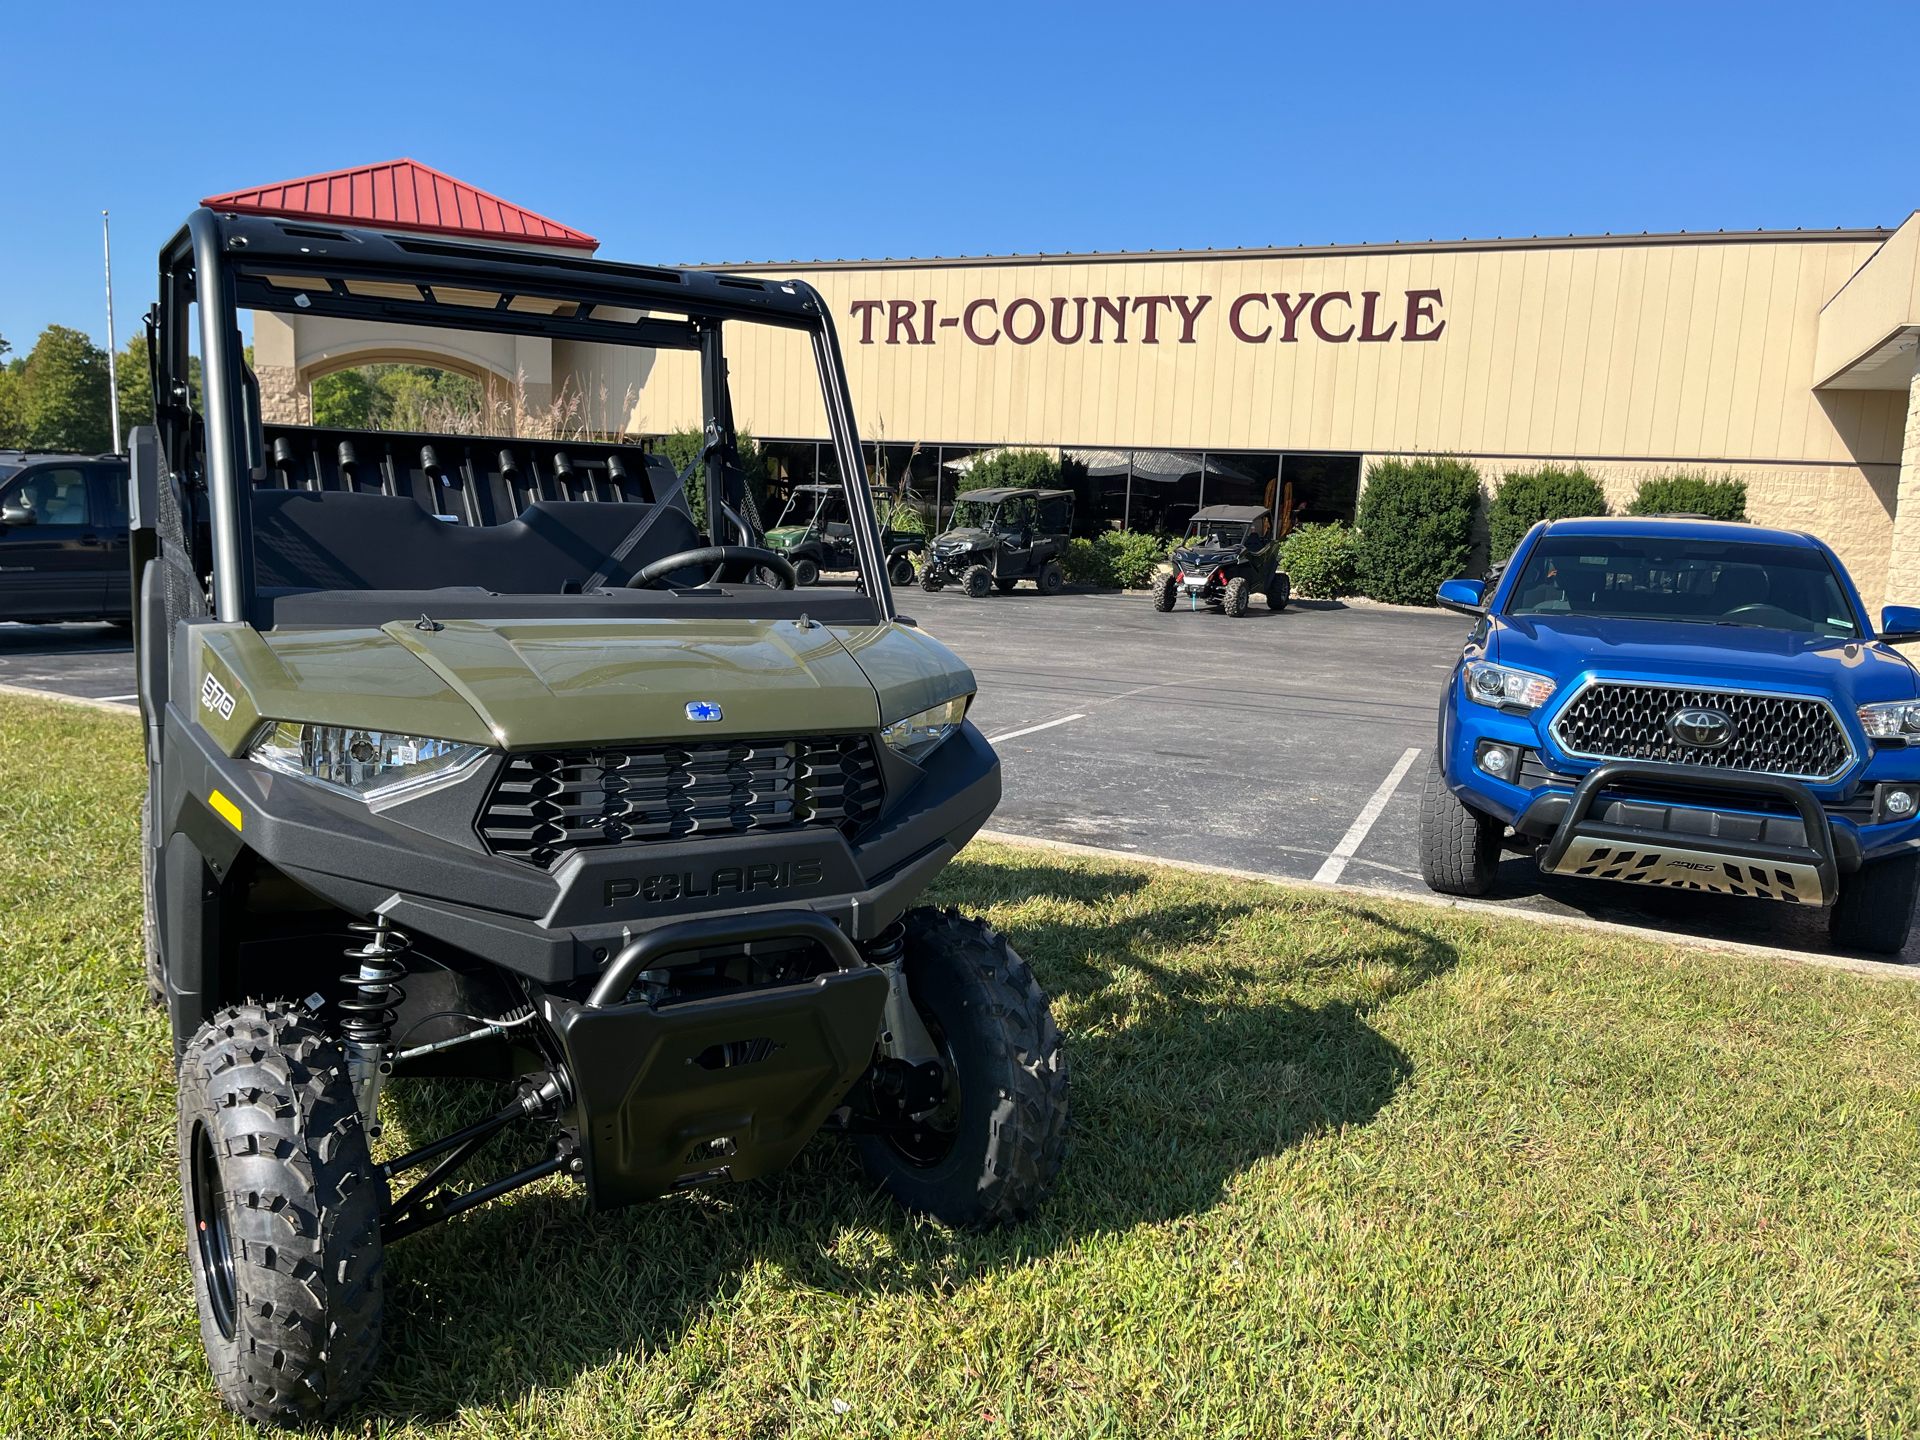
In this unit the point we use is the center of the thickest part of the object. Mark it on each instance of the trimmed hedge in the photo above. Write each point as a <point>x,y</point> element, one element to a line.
<point>1015,469</point>
<point>1321,561</point>
<point>1416,527</point>
<point>1125,558</point>
<point>1691,495</point>
<point>1527,497</point>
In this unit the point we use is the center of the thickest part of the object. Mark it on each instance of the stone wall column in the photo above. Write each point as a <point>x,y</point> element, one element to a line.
<point>1903,563</point>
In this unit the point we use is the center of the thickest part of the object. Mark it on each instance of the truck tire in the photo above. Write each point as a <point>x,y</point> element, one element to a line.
<point>1233,600</point>
<point>806,572</point>
<point>1005,587</point>
<point>976,580</point>
<point>1052,578</point>
<point>930,580</point>
<point>1279,592</point>
<point>283,1210</point>
<point>149,917</point>
<point>992,1150</point>
<point>1163,592</point>
<point>1875,909</point>
<point>1459,847</point>
<point>900,570</point>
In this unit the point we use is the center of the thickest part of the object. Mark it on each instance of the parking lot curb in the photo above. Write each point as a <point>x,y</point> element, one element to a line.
<point>116,707</point>
<point>1882,969</point>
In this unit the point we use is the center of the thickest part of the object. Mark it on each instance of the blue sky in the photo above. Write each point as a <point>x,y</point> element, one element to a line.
<point>769,132</point>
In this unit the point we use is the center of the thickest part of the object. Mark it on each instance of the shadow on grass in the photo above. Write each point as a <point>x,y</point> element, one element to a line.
<point>1202,1038</point>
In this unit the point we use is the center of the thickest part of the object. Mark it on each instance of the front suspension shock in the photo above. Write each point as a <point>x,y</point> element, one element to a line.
<point>370,1011</point>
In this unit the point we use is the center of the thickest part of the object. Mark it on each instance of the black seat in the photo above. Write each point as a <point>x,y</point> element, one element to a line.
<point>339,540</point>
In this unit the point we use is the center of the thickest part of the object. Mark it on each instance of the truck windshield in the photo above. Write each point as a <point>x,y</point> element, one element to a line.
<point>1703,582</point>
<point>1220,534</point>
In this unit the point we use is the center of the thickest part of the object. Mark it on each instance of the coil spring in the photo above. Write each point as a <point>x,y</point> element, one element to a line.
<point>371,1010</point>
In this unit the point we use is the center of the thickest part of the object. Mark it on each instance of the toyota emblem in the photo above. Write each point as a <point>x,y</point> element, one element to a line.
<point>1701,729</point>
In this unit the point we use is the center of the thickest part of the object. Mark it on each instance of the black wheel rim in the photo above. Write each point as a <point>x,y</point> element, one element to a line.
<point>930,1139</point>
<point>213,1231</point>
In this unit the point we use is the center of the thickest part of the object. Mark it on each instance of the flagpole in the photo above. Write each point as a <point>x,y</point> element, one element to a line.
<point>113,369</point>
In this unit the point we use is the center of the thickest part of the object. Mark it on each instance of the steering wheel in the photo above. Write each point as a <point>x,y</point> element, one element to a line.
<point>717,556</point>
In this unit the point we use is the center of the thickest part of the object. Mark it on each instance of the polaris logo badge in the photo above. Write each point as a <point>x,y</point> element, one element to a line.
<point>702,710</point>
<point>738,879</point>
<point>214,696</point>
<point>1700,729</point>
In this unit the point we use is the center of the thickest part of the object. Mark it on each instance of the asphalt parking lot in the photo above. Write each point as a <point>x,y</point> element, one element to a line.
<point>1293,744</point>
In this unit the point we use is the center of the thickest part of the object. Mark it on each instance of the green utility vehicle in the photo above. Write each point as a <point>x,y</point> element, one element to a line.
<point>1228,552</point>
<point>470,756</point>
<point>815,533</point>
<point>999,538</point>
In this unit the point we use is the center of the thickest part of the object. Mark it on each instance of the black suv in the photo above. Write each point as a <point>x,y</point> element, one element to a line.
<point>1001,537</point>
<point>63,537</point>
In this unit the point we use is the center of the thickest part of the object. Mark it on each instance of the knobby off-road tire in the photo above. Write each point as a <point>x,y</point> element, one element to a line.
<point>1279,592</point>
<point>1459,847</point>
<point>1163,592</point>
<point>992,1156</point>
<point>1233,600</point>
<point>283,1215</point>
<point>1875,909</point>
<point>900,572</point>
<point>149,916</point>
<point>930,580</point>
<point>806,572</point>
<point>976,580</point>
<point>1053,579</point>
<point>1005,587</point>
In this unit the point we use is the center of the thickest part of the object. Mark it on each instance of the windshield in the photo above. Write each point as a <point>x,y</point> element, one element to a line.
<point>1703,582</point>
<point>973,515</point>
<point>1217,534</point>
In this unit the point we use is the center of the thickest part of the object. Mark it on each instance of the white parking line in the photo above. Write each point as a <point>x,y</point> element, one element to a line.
<point>1336,863</point>
<point>1016,734</point>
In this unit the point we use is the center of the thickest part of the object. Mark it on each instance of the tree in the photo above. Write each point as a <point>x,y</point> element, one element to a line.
<point>345,399</point>
<point>62,393</point>
<point>13,423</point>
<point>683,445</point>
<point>136,386</point>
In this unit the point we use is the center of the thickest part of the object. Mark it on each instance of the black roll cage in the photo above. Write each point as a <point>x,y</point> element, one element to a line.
<point>226,263</point>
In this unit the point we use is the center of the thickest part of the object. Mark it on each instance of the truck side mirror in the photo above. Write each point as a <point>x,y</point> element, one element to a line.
<point>14,513</point>
<point>1900,624</point>
<point>1465,596</point>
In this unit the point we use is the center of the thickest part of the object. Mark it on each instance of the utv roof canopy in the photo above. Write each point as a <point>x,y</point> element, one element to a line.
<point>994,497</point>
<point>1231,512</point>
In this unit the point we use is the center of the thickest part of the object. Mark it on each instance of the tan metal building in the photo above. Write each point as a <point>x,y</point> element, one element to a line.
<point>1785,358</point>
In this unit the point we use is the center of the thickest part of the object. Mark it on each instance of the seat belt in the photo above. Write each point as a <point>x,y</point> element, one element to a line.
<point>645,523</point>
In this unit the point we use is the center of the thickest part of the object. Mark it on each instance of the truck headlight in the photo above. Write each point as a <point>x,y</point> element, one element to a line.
<point>1489,684</point>
<point>916,735</point>
<point>1899,720</point>
<point>367,764</point>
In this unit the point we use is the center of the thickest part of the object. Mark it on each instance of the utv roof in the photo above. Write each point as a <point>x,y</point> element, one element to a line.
<point>994,497</point>
<point>352,274</point>
<point>1231,512</point>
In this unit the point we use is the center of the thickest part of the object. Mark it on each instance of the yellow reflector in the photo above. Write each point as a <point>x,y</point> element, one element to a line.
<point>225,809</point>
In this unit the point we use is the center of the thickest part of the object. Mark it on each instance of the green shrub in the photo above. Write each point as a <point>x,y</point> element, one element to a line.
<point>1321,561</point>
<point>1691,495</point>
<point>1016,469</point>
<point>681,446</point>
<point>1527,497</point>
<point>1416,527</point>
<point>1124,558</point>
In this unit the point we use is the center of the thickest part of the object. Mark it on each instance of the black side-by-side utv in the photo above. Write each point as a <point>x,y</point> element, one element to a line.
<point>999,538</point>
<point>471,756</point>
<point>1229,552</point>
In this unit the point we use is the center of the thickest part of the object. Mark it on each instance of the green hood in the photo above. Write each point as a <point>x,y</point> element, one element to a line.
<point>787,536</point>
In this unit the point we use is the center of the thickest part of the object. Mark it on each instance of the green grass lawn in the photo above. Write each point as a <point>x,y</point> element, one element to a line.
<point>1337,1167</point>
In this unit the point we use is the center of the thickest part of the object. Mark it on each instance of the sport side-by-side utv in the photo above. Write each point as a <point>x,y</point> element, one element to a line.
<point>999,538</point>
<point>469,756</point>
<point>1229,551</point>
<point>815,533</point>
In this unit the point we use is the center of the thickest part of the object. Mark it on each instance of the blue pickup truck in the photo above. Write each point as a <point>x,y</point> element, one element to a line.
<point>1687,704</point>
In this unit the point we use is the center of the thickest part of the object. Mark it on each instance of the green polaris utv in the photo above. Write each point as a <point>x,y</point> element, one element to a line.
<point>815,533</point>
<point>470,756</point>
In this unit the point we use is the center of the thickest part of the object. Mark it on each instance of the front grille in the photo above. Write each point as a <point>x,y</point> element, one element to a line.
<point>1785,735</point>
<point>549,803</point>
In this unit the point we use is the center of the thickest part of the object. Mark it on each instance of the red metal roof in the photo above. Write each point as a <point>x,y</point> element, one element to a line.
<point>402,195</point>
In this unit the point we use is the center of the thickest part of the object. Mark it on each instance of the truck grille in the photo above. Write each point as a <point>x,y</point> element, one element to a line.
<point>1785,735</point>
<point>549,803</point>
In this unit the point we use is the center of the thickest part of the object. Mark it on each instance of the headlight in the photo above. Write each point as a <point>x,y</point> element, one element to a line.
<point>1899,720</point>
<point>1497,685</point>
<point>368,764</point>
<point>916,735</point>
